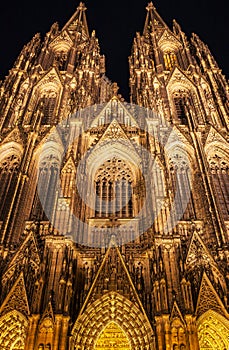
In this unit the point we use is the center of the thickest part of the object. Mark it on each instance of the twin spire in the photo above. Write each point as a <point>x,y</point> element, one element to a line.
<point>80,16</point>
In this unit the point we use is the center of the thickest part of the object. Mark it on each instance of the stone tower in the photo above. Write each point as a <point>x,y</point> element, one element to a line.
<point>114,216</point>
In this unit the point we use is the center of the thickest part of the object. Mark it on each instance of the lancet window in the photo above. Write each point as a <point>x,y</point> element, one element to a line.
<point>170,60</point>
<point>44,201</point>
<point>182,186</point>
<point>61,60</point>
<point>181,102</point>
<point>8,179</point>
<point>114,190</point>
<point>48,105</point>
<point>220,177</point>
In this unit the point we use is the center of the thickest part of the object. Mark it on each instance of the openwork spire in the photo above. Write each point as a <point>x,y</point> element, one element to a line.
<point>153,20</point>
<point>78,20</point>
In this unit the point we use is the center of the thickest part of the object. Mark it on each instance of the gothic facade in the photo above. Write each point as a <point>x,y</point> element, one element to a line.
<point>114,216</point>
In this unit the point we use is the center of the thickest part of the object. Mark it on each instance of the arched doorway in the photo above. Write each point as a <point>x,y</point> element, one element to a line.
<point>112,337</point>
<point>13,329</point>
<point>213,331</point>
<point>113,314</point>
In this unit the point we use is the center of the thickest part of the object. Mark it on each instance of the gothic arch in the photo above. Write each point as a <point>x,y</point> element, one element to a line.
<point>10,148</point>
<point>62,42</point>
<point>183,97</point>
<point>114,183</point>
<point>213,330</point>
<point>217,146</point>
<point>170,46</point>
<point>45,98</point>
<point>179,80</point>
<point>112,335</point>
<point>13,331</point>
<point>109,151</point>
<point>177,141</point>
<point>179,158</point>
<point>112,307</point>
<point>121,149</point>
<point>169,41</point>
<point>46,174</point>
<point>218,161</point>
<point>10,159</point>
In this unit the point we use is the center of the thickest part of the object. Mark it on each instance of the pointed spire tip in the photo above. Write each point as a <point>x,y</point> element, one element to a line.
<point>150,6</point>
<point>82,6</point>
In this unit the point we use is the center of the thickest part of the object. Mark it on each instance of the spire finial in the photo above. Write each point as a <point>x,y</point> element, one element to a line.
<point>150,6</point>
<point>82,6</point>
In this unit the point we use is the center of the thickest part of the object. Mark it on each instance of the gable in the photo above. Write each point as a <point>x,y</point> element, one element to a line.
<point>17,298</point>
<point>112,275</point>
<point>208,299</point>
<point>27,252</point>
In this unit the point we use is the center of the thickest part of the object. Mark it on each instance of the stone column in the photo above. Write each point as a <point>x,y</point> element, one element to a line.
<point>31,338</point>
<point>192,333</point>
<point>159,332</point>
<point>167,332</point>
<point>58,319</point>
<point>64,333</point>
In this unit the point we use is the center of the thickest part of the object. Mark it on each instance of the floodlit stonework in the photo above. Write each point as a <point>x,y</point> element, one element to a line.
<point>114,216</point>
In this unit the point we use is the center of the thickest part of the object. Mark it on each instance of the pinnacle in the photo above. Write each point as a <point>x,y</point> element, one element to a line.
<point>115,89</point>
<point>81,7</point>
<point>150,6</point>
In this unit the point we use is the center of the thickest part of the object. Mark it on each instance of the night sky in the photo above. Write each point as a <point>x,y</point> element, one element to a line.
<point>116,23</point>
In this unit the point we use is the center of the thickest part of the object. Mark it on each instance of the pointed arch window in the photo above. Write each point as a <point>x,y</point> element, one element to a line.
<point>182,187</point>
<point>220,177</point>
<point>48,102</point>
<point>181,102</point>
<point>8,180</point>
<point>44,200</point>
<point>170,60</point>
<point>114,190</point>
<point>61,60</point>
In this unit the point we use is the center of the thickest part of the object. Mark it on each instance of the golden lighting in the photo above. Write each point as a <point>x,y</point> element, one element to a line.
<point>170,60</point>
<point>213,332</point>
<point>112,337</point>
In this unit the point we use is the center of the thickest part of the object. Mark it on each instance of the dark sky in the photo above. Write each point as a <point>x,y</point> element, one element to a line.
<point>115,23</point>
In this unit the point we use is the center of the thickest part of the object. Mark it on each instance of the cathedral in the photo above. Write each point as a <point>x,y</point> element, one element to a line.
<point>114,215</point>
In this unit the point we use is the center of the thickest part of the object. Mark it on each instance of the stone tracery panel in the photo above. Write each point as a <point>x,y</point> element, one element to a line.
<point>182,185</point>
<point>219,168</point>
<point>114,189</point>
<point>13,329</point>
<point>112,307</point>
<point>48,176</point>
<point>213,330</point>
<point>9,166</point>
<point>112,337</point>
